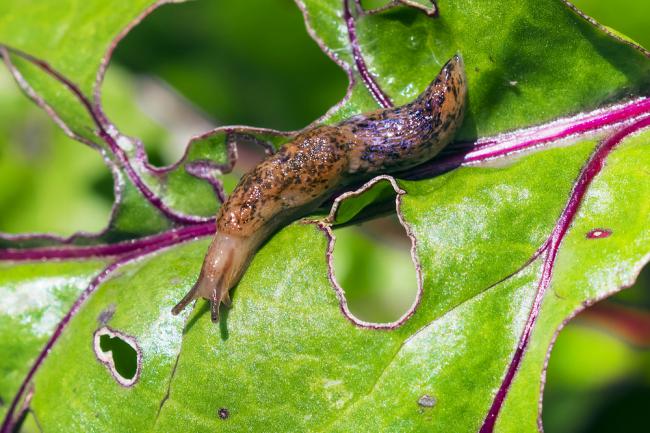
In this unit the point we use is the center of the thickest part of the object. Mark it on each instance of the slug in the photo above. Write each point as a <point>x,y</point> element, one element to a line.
<point>305,172</point>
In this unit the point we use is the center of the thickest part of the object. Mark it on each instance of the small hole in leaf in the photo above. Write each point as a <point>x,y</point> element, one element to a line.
<point>599,234</point>
<point>249,152</point>
<point>120,353</point>
<point>373,264</point>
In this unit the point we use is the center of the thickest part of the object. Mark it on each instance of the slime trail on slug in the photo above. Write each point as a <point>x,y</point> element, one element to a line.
<point>305,172</point>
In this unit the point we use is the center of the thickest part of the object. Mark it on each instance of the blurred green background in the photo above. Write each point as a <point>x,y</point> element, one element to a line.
<point>193,66</point>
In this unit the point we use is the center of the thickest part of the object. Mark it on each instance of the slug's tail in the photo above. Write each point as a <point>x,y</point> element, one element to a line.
<point>398,138</point>
<point>446,94</point>
<point>222,268</point>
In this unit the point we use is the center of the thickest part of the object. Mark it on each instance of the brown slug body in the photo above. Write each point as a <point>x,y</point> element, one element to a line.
<point>305,172</point>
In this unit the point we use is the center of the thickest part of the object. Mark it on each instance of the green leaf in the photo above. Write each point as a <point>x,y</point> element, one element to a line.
<point>507,246</point>
<point>34,298</point>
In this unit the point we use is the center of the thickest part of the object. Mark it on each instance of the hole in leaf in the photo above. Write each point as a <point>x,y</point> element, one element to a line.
<point>377,280</point>
<point>373,264</point>
<point>598,234</point>
<point>249,153</point>
<point>119,353</point>
<point>124,356</point>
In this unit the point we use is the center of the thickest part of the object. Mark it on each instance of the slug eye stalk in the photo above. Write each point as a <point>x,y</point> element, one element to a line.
<point>320,160</point>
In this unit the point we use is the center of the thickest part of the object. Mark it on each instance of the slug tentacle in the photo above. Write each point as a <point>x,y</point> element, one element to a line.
<point>305,172</point>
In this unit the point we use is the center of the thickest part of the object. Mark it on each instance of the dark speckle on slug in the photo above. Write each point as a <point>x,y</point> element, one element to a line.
<point>305,172</point>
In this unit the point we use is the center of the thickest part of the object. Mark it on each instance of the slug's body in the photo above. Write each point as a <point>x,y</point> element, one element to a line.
<point>305,172</point>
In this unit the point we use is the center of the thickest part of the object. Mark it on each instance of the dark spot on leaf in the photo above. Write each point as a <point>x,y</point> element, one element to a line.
<point>427,401</point>
<point>599,234</point>
<point>120,353</point>
<point>106,314</point>
<point>224,413</point>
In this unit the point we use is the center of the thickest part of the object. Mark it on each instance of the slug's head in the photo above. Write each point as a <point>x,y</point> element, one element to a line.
<point>223,265</point>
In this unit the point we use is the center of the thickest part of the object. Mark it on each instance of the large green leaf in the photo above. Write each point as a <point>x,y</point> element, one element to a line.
<point>35,297</point>
<point>498,271</point>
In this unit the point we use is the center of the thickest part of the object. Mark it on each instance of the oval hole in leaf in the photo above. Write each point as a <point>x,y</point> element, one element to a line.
<point>375,276</point>
<point>372,262</point>
<point>119,353</point>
